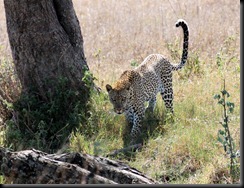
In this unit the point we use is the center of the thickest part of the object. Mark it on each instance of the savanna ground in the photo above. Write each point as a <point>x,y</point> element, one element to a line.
<point>118,35</point>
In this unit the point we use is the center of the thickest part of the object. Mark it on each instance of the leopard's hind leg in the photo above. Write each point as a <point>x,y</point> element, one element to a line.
<point>167,92</point>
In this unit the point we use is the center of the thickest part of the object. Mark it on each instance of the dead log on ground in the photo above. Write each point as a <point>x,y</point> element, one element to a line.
<point>131,148</point>
<point>36,167</point>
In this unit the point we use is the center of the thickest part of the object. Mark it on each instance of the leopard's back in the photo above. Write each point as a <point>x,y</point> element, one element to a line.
<point>151,70</point>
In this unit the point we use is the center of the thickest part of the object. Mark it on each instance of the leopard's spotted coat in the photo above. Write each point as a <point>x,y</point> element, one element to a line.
<point>143,83</point>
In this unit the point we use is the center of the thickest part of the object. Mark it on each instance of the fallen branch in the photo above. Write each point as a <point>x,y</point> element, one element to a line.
<point>36,167</point>
<point>131,148</point>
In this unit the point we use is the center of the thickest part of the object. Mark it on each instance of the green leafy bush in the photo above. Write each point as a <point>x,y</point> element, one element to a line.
<point>224,135</point>
<point>46,124</point>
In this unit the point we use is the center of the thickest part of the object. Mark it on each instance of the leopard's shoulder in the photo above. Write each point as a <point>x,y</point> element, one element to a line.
<point>127,79</point>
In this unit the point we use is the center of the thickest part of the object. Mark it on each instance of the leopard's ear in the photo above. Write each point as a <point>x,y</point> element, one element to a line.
<point>108,88</point>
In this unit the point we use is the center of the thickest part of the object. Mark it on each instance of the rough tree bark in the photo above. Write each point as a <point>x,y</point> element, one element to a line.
<point>47,49</point>
<point>46,43</point>
<point>33,166</point>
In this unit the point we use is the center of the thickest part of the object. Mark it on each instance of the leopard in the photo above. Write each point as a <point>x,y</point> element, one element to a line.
<point>135,87</point>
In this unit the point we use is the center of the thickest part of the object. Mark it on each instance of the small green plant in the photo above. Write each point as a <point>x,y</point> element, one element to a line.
<point>88,78</point>
<point>134,63</point>
<point>224,136</point>
<point>174,49</point>
<point>2,180</point>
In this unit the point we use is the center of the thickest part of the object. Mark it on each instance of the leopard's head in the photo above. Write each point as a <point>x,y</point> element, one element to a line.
<point>119,96</point>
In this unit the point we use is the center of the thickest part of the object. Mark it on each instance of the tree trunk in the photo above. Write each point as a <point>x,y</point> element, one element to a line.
<point>46,43</point>
<point>33,166</point>
<point>48,54</point>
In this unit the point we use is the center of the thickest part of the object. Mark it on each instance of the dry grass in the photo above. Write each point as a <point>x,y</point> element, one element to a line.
<point>117,33</point>
<point>131,30</point>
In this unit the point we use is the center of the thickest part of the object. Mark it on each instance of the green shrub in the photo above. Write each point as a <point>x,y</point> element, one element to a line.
<point>45,124</point>
<point>224,135</point>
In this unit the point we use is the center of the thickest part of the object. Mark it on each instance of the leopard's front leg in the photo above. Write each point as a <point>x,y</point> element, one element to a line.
<point>139,113</point>
<point>129,115</point>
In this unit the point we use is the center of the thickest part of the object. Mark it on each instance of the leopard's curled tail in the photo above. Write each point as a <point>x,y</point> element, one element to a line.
<point>184,26</point>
